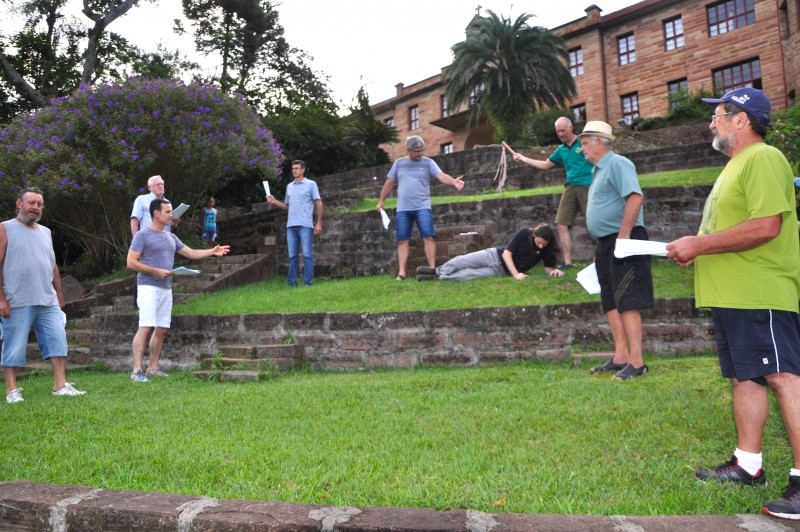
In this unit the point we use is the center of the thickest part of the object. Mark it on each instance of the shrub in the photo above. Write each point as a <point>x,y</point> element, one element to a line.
<point>539,131</point>
<point>92,152</point>
<point>785,135</point>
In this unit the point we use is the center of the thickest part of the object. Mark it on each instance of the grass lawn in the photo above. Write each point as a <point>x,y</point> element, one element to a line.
<point>520,438</point>
<point>524,438</point>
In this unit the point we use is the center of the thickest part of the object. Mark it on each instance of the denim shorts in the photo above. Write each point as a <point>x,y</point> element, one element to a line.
<point>405,219</point>
<point>47,321</point>
<point>155,306</point>
<point>754,343</point>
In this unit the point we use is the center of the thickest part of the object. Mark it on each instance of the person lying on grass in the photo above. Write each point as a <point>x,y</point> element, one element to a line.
<point>527,248</point>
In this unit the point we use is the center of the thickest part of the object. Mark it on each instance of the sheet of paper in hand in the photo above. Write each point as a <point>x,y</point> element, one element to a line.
<point>588,279</point>
<point>385,219</point>
<point>180,210</point>
<point>185,271</point>
<point>626,247</point>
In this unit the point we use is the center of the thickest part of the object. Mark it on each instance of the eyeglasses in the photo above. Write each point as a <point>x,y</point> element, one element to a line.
<point>714,117</point>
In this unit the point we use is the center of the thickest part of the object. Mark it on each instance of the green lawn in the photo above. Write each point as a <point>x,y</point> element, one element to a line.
<point>523,438</point>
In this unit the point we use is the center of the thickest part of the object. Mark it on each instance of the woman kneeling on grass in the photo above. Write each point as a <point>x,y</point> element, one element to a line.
<point>527,248</point>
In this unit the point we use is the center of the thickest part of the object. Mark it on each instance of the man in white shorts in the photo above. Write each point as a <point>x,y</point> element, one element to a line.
<point>152,256</point>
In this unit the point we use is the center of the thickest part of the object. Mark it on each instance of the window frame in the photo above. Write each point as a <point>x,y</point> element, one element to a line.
<point>413,117</point>
<point>726,16</point>
<point>629,107</point>
<point>576,62</point>
<point>627,56</point>
<point>745,73</point>
<point>676,40</point>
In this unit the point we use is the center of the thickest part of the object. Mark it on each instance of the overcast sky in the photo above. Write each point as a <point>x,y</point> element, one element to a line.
<point>374,43</point>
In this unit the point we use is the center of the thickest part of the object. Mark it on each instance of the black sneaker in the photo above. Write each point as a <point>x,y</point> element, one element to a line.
<point>608,365</point>
<point>426,277</point>
<point>426,270</point>
<point>629,371</point>
<point>731,472</point>
<point>788,504</point>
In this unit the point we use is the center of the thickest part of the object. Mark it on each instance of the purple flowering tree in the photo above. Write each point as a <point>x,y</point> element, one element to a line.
<point>92,152</point>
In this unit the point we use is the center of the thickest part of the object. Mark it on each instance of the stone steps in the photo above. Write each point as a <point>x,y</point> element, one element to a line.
<point>245,362</point>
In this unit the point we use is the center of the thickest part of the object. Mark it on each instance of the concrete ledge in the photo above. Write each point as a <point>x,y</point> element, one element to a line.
<point>37,506</point>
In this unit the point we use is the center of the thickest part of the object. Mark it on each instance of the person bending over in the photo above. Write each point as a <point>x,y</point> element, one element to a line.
<point>527,248</point>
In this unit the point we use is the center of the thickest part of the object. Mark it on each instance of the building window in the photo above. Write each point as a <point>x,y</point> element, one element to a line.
<point>389,121</point>
<point>744,74</point>
<point>446,148</point>
<point>576,62</point>
<point>729,15</point>
<point>578,113</point>
<point>445,106</point>
<point>676,90</point>
<point>475,95</point>
<point>673,34</point>
<point>413,117</point>
<point>630,107</point>
<point>626,45</point>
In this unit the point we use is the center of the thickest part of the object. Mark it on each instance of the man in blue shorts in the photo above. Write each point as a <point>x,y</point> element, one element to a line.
<point>576,188</point>
<point>31,296</point>
<point>615,211</point>
<point>746,258</point>
<point>152,256</point>
<point>412,175</point>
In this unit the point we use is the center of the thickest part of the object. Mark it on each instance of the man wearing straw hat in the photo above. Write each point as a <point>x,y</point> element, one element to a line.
<point>615,211</point>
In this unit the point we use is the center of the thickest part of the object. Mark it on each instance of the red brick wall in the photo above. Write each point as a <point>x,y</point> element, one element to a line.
<point>774,39</point>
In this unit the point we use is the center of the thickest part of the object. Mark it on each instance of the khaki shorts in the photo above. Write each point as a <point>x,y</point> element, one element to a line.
<point>573,200</point>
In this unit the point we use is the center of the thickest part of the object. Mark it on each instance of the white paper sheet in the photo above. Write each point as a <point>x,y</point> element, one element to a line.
<point>626,247</point>
<point>266,187</point>
<point>185,271</point>
<point>588,279</point>
<point>385,219</point>
<point>180,210</point>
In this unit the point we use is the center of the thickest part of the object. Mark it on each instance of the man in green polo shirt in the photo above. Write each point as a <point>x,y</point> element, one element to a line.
<point>576,188</point>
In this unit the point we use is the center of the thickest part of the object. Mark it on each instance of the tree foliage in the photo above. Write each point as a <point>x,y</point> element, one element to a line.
<point>508,70</point>
<point>256,60</point>
<point>92,152</point>
<point>366,133</point>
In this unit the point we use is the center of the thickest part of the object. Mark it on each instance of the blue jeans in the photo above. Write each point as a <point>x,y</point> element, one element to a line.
<point>47,321</point>
<point>298,238</point>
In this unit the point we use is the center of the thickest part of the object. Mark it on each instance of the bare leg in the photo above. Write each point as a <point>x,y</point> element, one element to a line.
<point>430,250</point>
<point>402,256</point>
<point>10,374</point>
<point>59,365</point>
<point>621,355</point>
<point>632,323</point>
<point>787,391</point>
<point>138,347</point>
<point>566,242</point>
<point>156,343</point>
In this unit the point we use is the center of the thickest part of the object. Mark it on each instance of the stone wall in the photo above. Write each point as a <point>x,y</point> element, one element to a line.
<point>356,243</point>
<point>461,337</point>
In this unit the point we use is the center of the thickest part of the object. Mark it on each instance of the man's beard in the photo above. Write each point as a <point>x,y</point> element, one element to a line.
<point>723,144</point>
<point>29,218</point>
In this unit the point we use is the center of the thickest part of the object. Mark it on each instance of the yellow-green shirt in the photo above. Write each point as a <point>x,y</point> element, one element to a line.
<point>756,183</point>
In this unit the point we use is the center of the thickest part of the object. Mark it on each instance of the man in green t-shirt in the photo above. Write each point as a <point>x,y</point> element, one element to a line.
<point>746,258</point>
<point>576,188</point>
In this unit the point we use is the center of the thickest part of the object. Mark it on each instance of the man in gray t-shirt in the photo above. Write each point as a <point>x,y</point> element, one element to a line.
<point>151,256</point>
<point>412,175</point>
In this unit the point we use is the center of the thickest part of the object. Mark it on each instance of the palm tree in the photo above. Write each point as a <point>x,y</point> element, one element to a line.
<point>508,71</point>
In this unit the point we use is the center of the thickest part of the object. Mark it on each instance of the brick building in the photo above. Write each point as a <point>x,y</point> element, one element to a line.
<point>626,63</point>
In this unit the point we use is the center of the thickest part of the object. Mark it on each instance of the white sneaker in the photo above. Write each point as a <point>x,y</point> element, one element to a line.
<point>14,396</point>
<point>68,390</point>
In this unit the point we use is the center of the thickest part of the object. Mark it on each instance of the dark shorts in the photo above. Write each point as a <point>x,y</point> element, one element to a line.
<point>755,343</point>
<point>625,284</point>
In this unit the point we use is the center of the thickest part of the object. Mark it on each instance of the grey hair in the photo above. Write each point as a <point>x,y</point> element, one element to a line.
<point>415,142</point>
<point>564,119</point>
<point>152,179</point>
